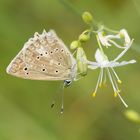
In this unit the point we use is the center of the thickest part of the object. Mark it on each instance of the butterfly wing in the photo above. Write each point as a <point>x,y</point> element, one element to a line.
<point>43,57</point>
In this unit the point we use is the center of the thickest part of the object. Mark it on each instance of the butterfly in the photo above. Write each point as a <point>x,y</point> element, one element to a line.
<point>44,57</point>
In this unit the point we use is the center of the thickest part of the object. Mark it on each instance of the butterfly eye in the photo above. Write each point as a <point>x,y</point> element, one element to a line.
<point>67,82</point>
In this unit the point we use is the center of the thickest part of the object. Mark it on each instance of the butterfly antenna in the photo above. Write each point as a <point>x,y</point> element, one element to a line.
<point>54,100</point>
<point>62,100</point>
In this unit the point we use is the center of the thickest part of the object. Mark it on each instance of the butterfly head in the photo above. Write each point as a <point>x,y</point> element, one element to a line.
<point>67,83</point>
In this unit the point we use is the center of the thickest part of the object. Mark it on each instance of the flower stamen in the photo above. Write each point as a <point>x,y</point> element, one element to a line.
<point>115,84</point>
<point>122,100</point>
<point>110,77</point>
<point>93,94</point>
<point>97,85</point>
<point>104,82</point>
<point>116,92</point>
<point>101,78</point>
<point>118,79</point>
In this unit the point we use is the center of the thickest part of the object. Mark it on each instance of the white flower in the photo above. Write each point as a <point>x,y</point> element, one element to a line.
<point>103,39</point>
<point>123,33</point>
<point>109,40</point>
<point>107,67</point>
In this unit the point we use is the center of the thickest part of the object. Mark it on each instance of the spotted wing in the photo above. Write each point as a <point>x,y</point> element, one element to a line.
<point>43,57</point>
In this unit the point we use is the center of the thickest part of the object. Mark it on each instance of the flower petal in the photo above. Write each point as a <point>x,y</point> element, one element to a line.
<point>124,51</point>
<point>92,65</point>
<point>103,39</point>
<point>117,64</point>
<point>100,57</point>
<point>124,33</point>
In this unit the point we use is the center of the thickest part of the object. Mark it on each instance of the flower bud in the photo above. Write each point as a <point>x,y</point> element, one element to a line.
<point>84,37</point>
<point>87,17</point>
<point>132,116</point>
<point>75,44</point>
<point>81,58</point>
<point>124,34</point>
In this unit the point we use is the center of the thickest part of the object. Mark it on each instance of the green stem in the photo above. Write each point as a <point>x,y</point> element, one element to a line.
<point>67,4</point>
<point>110,30</point>
<point>78,12</point>
<point>136,6</point>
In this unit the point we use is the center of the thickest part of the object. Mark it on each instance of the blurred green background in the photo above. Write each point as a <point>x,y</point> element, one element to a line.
<point>25,112</point>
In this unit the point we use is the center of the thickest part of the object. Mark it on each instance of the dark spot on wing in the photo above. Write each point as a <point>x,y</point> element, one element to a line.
<point>43,69</point>
<point>56,49</point>
<point>25,68</point>
<point>59,63</point>
<point>51,52</point>
<point>56,71</point>
<point>37,57</point>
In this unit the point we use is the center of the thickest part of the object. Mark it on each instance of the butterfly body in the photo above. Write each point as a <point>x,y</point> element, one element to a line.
<point>44,57</point>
